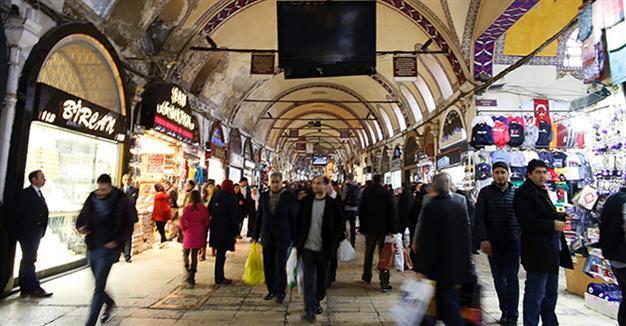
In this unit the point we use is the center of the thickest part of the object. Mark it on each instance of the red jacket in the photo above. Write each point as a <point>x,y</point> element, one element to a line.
<point>194,224</point>
<point>162,211</point>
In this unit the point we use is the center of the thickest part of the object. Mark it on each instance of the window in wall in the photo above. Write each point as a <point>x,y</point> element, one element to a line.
<point>415,108</point>
<point>426,94</point>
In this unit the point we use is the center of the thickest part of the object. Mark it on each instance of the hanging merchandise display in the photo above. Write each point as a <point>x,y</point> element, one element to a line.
<point>249,170</point>
<point>165,150</point>
<point>216,154</point>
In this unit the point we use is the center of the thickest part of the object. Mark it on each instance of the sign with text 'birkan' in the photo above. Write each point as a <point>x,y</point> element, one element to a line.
<point>71,112</point>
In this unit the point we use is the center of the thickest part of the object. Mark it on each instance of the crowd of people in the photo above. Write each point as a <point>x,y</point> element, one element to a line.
<point>446,226</point>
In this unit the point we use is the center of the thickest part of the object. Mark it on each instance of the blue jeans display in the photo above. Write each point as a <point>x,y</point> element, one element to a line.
<point>100,260</point>
<point>504,269</point>
<point>29,245</point>
<point>540,296</point>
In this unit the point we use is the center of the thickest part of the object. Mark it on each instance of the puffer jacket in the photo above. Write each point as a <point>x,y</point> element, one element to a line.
<point>495,217</point>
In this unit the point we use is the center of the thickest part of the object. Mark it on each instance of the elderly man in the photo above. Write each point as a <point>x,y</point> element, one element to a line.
<point>444,252</point>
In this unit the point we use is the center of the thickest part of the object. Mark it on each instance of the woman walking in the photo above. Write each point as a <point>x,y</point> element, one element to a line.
<point>209,190</point>
<point>224,225</point>
<point>194,223</point>
<point>241,203</point>
<point>161,212</point>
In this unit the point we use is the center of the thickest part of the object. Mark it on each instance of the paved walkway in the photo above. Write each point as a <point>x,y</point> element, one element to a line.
<point>149,292</point>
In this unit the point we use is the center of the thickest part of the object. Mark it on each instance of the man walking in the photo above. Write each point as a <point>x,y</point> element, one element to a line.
<point>31,214</point>
<point>350,195</point>
<point>132,194</point>
<point>104,220</point>
<point>444,249</point>
<point>377,214</point>
<point>543,245</point>
<point>613,242</point>
<point>275,225</point>
<point>499,236</point>
<point>319,227</point>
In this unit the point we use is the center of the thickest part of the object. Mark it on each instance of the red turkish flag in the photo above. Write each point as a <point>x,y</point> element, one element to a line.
<point>542,110</point>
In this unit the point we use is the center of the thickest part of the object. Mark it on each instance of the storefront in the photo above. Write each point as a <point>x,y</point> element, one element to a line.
<point>395,169</point>
<point>71,124</point>
<point>410,158</point>
<point>165,150</point>
<point>452,146</point>
<point>217,154</point>
<point>249,170</point>
<point>236,161</point>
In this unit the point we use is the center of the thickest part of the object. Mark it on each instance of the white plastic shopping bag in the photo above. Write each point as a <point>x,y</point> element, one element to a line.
<point>398,258</point>
<point>292,268</point>
<point>345,252</point>
<point>300,277</point>
<point>413,303</point>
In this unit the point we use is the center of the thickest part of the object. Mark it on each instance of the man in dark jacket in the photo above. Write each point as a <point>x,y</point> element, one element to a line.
<point>613,242</point>
<point>377,214</point>
<point>405,205</point>
<point>31,214</point>
<point>499,236</point>
<point>319,225</point>
<point>104,220</point>
<point>350,196</point>
<point>275,225</point>
<point>444,252</point>
<point>224,227</point>
<point>132,194</point>
<point>543,245</point>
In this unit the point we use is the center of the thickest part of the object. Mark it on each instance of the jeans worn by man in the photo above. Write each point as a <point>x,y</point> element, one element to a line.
<point>101,261</point>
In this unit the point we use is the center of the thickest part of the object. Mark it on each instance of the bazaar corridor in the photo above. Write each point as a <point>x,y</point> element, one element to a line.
<point>150,292</point>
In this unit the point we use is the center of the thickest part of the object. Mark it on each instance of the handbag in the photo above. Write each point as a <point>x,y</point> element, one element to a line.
<point>346,253</point>
<point>386,256</point>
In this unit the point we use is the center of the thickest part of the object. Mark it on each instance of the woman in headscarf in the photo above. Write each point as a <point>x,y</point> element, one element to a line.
<point>224,226</point>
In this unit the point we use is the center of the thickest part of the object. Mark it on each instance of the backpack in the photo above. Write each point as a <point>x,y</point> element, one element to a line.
<point>352,199</point>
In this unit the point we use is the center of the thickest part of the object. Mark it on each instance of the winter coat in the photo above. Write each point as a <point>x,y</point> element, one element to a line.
<point>116,227</point>
<point>377,211</point>
<point>540,242</point>
<point>161,211</point>
<point>443,241</point>
<point>332,226</point>
<point>495,217</point>
<point>224,218</point>
<point>194,223</point>
<point>405,205</point>
<point>277,228</point>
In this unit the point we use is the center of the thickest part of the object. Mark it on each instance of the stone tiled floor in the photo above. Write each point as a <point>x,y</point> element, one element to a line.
<point>137,287</point>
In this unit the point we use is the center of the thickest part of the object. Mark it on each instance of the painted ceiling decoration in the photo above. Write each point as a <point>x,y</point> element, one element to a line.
<point>484,45</point>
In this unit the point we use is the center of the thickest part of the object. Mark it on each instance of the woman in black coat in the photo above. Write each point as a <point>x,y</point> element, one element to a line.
<point>224,227</point>
<point>243,208</point>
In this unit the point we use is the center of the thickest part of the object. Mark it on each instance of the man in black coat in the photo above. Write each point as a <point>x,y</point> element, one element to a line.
<point>405,205</point>
<point>274,227</point>
<point>31,221</point>
<point>444,253</point>
<point>377,214</point>
<point>224,227</point>
<point>499,236</point>
<point>543,245</point>
<point>105,222</point>
<point>132,194</point>
<point>319,225</point>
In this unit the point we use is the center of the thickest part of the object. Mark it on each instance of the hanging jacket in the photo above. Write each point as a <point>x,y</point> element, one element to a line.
<point>501,135</point>
<point>482,135</point>
<point>516,132</point>
<point>545,135</point>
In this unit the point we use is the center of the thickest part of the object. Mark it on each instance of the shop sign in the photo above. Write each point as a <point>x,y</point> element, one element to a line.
<point>344,134</point>
<point>486,102</point>
<point>405,68</point>
<point>452,130</point>
<point>250,165</point>
<point>217,145</point>
<point>166,109</point>
<point>294,133</point>
<point>262,64</point>
<point>395,165</point>
<point>68,111</point>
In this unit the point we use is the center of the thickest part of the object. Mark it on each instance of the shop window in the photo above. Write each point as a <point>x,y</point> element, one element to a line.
<point>162,26</point>
<point>76,64</point>
<point>417,112</point>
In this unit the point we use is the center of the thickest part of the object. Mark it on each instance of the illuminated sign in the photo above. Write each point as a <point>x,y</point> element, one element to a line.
<point>68,111</point>
<point>166,109</point>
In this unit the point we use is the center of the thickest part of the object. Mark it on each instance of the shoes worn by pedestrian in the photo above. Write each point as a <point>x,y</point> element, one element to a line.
<point>128,260</point>
<point>504,319</point>
<point>41,293</point>
<point>269,296</point>
<point>366,279</point>
<point>108,312</point>
<point>310,319</point>
<point>386,288</point>
<point>224,282</point>
<point>319,311</point>
<point>280,298</point>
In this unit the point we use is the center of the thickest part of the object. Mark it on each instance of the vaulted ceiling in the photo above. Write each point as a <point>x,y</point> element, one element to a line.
<point>373,108</point>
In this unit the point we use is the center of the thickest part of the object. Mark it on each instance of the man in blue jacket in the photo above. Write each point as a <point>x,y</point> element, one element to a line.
<point>499,236</point>
<point>275,229</point>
